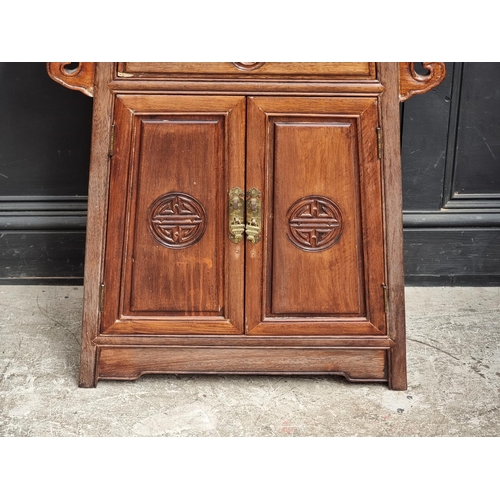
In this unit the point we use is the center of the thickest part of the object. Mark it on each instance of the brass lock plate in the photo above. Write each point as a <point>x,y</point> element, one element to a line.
<point>253,228</point>
<point>236,214</point>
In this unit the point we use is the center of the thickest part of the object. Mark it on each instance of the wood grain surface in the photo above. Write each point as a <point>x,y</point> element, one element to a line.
<point>81,78</point>
<point>192,146</point>
<point>321,292</point>
<point>131,363</point>
<point>393,214</point>
<point>311,70</point>
<point>302,147</point>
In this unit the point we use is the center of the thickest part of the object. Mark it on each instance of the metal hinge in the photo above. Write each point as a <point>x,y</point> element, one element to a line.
<point>379,142</point>
<point>386,298</point>
<point>112,141</point>
<point>101,297</point>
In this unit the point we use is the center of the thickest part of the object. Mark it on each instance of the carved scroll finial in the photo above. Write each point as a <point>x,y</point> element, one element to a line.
<point>80,78</point>
<point>410,82</point>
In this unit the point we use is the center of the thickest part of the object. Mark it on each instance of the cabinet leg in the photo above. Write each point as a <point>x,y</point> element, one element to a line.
<point>88,364</point>
<point>397,369</point>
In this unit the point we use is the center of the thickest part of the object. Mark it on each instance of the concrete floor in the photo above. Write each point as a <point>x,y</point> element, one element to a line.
<point>453,366</point>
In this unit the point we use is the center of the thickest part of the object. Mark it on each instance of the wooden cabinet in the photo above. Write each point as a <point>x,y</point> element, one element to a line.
<point>245,218</point>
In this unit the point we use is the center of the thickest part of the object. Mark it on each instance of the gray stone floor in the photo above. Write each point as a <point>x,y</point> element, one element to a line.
<point>453,365</point>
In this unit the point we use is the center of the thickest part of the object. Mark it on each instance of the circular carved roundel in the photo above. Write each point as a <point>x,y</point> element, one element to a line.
<point>248,66</point>
<point>177,220</point>
<point>314,223</point>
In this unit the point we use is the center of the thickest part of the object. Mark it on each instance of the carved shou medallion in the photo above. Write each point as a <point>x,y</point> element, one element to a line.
<point>248,66</point>
<point>177,220</point>
<point>314,223</point>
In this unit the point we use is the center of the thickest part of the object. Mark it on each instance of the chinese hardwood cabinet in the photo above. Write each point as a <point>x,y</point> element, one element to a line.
<point>245,218</point>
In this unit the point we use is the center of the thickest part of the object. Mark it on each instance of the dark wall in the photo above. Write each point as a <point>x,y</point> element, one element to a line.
<point>451,178</point>
<point>44,157</point>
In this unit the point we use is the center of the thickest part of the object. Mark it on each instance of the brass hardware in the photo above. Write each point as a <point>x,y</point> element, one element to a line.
<point>236,214</point>
<point>101,297</point>
<point>112,141</point>
<point>386,297</point>
<point>253,228</point>
<point>379,142</point>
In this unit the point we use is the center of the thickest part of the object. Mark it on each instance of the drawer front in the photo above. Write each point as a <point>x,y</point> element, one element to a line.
<point>299,70</point>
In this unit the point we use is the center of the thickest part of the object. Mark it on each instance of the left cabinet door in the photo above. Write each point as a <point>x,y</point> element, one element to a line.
<point>170,267</point>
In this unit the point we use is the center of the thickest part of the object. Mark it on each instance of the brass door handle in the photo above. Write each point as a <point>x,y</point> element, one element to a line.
<point>236,214</point>
<point>253,228</point>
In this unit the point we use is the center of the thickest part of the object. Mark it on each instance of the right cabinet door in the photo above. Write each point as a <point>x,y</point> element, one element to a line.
<point>319,268</point>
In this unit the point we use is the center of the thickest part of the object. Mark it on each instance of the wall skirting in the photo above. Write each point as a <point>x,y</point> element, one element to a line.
<point>43,213</point>
<point>451,219</point>
<point>42,239</point>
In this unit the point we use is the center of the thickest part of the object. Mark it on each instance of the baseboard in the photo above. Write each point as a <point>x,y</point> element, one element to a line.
<point>471,280</point>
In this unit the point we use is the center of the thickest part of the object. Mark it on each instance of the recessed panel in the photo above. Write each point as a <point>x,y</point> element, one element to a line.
<point>476,165</point>
<point>175,266</point>
<point>316,264</point>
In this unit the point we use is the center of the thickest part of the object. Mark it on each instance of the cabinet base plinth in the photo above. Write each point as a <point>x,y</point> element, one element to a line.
<point>129,363</point>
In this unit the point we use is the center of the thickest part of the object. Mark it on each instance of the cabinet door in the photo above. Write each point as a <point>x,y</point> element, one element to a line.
<point>170,267</point>
<point>319,268</point>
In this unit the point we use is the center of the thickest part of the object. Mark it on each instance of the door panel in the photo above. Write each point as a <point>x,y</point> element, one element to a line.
<point>176,159</point>
<point>316,271</point>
